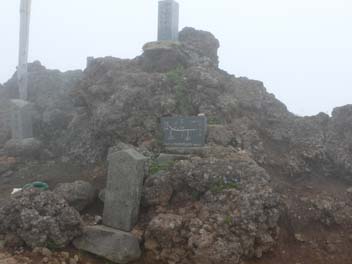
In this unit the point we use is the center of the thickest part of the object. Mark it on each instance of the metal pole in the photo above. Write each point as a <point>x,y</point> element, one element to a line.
<point>22,70</point>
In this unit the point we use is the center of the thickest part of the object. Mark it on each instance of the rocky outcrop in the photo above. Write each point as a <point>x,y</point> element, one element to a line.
<point>40,219</point>
<point>338,140</point>
<point>223,209</point>
<point>50,93</point>
<point>202,43</point>
<point>78,194</point>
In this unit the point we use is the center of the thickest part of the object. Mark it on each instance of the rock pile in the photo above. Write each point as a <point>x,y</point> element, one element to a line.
<point>222,210</point>
<point>39,219</point>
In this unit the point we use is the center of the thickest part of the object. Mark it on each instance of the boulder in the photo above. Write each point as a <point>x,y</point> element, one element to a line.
<point>157,189</point>
<point>202,43</point>
<point>78,194</point>
<point>25,148</point>
<point>40,218</point>
<point>114,245</point>
<point>221,135</point>
<point>163,56</point>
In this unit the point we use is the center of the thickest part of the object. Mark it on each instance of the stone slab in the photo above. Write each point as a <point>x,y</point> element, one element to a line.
<point>111,244</point>
<point>166,157</point>
<point>124,189</point>
<point>184,131</point>
<point>200,151</point>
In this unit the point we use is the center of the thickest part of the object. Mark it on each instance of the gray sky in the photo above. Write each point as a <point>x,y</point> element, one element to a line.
<point>300,49</point>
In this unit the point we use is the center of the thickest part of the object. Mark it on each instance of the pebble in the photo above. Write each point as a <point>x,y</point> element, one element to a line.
<point>46,252</point>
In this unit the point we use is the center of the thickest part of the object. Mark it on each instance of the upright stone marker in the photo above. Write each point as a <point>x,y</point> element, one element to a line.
<point>168,20</point>
<point>124,189</point>
<point>184,131</point>
<point>21,119</point>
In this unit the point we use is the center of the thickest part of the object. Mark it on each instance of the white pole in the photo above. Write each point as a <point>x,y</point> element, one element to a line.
<point>22,70</point>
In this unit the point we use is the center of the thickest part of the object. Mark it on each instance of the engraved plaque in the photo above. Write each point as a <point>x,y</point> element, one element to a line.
<point>184,131</point>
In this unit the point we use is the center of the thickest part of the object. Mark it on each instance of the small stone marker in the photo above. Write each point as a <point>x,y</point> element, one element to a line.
<point>124,189</point>
<point>168,20</point>
<point>21,119</point>
<point>184,131</point>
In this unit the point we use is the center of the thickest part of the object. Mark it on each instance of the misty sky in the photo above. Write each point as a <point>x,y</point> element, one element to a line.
<point>300,49</point>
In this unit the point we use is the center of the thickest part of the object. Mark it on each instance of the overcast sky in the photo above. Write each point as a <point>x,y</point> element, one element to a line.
<point>300,49</point>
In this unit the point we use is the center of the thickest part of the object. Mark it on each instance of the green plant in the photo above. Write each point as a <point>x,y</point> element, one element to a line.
<point>156,166</point>
<point>221,185</point>
<point>51,245</point>
<point>228,220</point>
<point>213,120</point>
<point>183,100</point>
<point>196,195</point>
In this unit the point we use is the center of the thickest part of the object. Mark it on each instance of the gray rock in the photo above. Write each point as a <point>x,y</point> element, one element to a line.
<point>112,244</point>
<point>163,56</point>
<point>124,189</point>
<point>40,219</point>
<point>78,194</point>
<point>25,148</point>
<point>201,42</point>
<point>187,150</point>
<point>220,134</point>
<point>168,158</point>
<point>157,189</point>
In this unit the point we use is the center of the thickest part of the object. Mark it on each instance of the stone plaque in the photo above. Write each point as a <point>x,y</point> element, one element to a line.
<point>124,189</point>
<point>184,131</point>
<point>168,20</point>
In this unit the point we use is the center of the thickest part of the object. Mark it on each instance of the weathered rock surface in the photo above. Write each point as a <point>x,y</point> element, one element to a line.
<point>78,194</point>
<point>40,219</point>
<point>223,210</point>
<point>111,244</point>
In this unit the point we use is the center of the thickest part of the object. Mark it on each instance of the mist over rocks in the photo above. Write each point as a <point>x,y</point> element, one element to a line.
<point>81,114</point>
<point>220,206</point>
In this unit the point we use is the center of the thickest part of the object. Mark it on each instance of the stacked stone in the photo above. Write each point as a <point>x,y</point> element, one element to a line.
<point>113,240</point>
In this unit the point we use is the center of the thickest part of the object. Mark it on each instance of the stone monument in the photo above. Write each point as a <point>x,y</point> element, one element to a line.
<point>168,20</point>
<point>113,240</point>
<point>124,189</point>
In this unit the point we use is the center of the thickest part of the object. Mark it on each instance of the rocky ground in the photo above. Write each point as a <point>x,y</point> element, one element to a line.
<point>270,187</point>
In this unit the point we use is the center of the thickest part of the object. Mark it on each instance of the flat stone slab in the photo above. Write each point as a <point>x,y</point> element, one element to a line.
<point>165,157</point>
<point>124,189</point>
<point>111,244</point>
<point>184,131</point>
<point>187,150</point>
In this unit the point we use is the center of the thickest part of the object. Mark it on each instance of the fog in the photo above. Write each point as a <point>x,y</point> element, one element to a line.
<point>301,50</point>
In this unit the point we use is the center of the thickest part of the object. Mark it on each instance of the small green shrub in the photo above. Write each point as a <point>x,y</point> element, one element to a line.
<point>183,100</point>
<point>228,220</point>
<point>196,195</point>
<point>212,120</point>
<point>220,186</point>
<point>155,166</point>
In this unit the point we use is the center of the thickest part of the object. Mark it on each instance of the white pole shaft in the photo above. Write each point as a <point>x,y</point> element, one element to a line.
<point>22,71</point>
